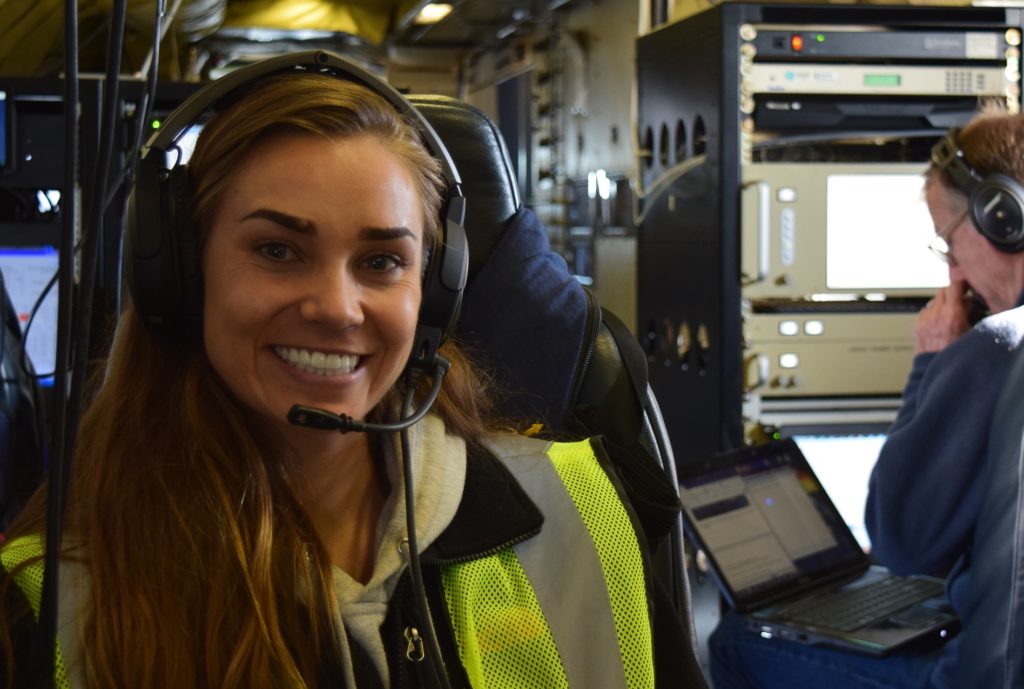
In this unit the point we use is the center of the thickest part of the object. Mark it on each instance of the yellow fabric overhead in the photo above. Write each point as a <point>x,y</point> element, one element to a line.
<point>369,19</point>
<point>32,37</point>
<point>32,31</point>
<point>25,22</point>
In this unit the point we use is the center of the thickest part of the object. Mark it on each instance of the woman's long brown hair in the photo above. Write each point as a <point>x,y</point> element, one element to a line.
<point>203,569</point>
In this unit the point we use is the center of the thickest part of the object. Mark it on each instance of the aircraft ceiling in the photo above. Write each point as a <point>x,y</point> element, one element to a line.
<point>32,42</point>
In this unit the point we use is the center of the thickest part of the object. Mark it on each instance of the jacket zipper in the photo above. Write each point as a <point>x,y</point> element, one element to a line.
<point>415,645</point>
<point>415,649</point>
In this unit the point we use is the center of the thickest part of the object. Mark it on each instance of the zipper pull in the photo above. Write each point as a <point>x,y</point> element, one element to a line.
<point>415,650</point>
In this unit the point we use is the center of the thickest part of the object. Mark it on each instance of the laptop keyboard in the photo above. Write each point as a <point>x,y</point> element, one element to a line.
<point>851,609</point>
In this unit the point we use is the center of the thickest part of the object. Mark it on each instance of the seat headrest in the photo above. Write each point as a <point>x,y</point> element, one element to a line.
<point>481,157</point>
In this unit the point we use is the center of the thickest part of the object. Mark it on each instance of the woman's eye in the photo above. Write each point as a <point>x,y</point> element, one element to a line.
<point>276,251</point>
<point>384,263</point>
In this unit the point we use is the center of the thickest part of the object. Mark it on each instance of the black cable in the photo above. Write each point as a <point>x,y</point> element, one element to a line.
<point>93,234</point>
<point>75,313</point>
<point>323,420</point>
<point>45,642</point>
<point>430,631</point>
<point>126,178</point>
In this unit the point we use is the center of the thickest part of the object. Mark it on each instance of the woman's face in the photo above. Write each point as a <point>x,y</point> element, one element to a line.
<point>312,275</point>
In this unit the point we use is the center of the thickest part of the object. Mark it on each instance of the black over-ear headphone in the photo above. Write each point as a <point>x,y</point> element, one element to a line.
<point>162,262</point>
<point>995,201</point>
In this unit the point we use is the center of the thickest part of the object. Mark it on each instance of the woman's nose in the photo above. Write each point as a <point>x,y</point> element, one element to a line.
<point>333,298</point>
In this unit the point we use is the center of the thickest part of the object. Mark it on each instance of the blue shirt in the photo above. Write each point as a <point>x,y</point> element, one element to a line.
<point>926,489</point>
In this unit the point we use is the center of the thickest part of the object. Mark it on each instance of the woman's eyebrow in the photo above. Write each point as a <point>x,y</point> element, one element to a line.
<point>305,226</point>
<point>386,233</point>
<point>289,221</point>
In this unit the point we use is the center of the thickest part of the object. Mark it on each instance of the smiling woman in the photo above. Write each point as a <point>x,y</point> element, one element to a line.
<point>318,248</point>
<point>222,546</point>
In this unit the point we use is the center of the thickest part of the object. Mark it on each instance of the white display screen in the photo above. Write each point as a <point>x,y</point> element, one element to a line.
<point>877,233</point>
<point>26,272</point>
<point>843,464</point>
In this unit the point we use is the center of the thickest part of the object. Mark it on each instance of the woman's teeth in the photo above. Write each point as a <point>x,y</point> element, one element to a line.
<point>319,363</point>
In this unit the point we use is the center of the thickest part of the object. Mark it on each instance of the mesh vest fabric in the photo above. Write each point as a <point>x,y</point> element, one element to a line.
<point>503,637</point>
<point>616,543</point>
<point>30,580</point>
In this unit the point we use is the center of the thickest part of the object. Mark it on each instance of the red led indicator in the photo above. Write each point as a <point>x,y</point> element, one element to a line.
<point>796,42</point>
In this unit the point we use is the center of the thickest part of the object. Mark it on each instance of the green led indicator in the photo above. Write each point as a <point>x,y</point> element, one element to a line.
<point>155,124</point>
<point>776,435</point>
<point>881,79</point>
<point>820,38</point>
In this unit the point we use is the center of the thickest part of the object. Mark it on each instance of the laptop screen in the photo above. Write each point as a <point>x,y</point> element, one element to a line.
<point>843,463</point>
<point>766,524</point>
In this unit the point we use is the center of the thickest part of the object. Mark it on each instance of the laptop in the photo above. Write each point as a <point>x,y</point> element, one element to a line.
<point>783,556</point>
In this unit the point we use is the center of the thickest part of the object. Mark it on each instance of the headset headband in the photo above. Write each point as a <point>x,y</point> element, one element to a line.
<point>162,257</point>
<point>948,156</point>
<point>995,201</point>
<point>311,61</point>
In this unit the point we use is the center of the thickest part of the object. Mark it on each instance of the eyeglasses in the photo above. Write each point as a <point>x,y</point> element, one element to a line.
<point>940,244</point>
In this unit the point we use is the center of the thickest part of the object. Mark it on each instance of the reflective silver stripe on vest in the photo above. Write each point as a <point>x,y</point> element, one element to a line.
<point>74,591</point>
<point>564,570</point>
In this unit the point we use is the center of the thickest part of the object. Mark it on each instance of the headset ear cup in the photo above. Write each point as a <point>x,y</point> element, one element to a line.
<point>997,211</point>
<point>188,257</point>
<point>162,254</point>
<point>443,285</point>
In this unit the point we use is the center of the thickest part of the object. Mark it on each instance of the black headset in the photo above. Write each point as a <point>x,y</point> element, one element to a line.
<point>163,270</point>
<point>995,201</point>
<point>162,262</point>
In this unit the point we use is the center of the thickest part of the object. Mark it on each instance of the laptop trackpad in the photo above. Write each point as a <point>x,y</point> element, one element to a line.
<point>921,615</point>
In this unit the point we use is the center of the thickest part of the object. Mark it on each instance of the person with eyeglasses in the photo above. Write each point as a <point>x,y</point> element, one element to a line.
<point>926,489</point>
<point>926,485</point>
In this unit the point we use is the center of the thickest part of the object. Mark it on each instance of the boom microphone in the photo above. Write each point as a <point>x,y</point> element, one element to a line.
<point>323,420</point>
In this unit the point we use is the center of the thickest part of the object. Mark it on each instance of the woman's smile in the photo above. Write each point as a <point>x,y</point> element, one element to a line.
<point>312,276</point>
<point>327,364</point>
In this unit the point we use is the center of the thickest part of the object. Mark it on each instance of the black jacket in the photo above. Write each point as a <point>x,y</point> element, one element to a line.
<point>479,530</point>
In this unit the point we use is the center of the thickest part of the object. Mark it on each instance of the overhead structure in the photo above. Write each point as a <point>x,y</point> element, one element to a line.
<point>31,42</point>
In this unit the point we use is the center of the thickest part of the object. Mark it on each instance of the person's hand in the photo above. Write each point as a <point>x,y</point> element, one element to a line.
<point>943,319</point>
